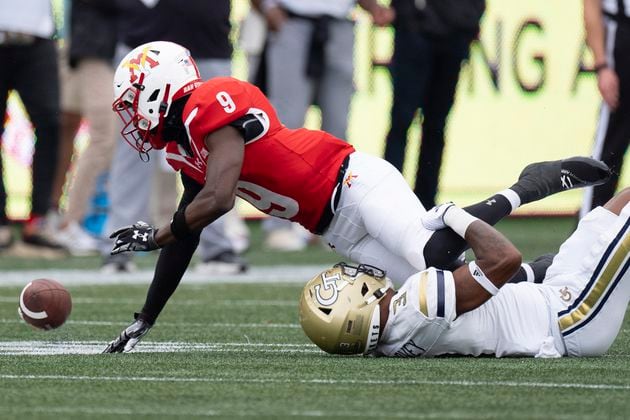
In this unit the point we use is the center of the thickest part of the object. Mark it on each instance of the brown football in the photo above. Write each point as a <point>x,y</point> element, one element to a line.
<point>45,304</point>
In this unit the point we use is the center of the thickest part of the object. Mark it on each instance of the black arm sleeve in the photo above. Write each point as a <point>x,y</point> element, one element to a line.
<point>172,262</point>
<point>539,267</point>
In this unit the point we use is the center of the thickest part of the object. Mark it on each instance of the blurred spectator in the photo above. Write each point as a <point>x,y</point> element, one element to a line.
<point>203,27</point>
<point>317,39</point>
<point>252,37</point>
<point>86,92</point>
<point>28,55</point>
<point>607,24</point>
<point>432,39</point>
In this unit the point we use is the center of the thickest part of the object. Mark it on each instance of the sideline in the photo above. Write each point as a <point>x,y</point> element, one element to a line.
<point>270,274</point>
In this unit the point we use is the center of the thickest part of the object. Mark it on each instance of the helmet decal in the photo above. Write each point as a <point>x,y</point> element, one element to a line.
<point>142,63</point>
<point>329,283</point>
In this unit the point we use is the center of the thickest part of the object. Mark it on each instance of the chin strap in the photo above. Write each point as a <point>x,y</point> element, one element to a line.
<point>374,332</point>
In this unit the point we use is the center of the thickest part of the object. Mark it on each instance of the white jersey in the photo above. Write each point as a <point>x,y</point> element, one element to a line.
<point>423,322</point>
<point>577,311</point>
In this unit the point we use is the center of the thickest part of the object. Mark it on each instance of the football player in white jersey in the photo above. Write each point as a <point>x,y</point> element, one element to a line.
<point>577,311</point>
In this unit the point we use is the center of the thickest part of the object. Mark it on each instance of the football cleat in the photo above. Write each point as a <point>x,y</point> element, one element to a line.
<point>542,179</point>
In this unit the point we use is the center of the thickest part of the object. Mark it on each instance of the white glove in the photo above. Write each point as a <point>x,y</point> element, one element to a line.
<point>433,219</point>
<point>129,337</point>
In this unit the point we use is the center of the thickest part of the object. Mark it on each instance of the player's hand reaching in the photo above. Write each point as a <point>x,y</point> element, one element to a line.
<point>129,337</point>
<point>433,219</point>
<point>138,237</point>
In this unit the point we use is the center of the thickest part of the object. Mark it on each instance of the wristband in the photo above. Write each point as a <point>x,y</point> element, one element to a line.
<point>481,278</point>
<point>179,227</point>
<point>458,220</point>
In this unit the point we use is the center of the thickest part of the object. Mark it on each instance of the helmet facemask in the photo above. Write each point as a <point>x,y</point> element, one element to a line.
<point>137,130</point>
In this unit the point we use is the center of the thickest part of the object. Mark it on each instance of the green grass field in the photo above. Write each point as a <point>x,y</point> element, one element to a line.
<point>230,349</point>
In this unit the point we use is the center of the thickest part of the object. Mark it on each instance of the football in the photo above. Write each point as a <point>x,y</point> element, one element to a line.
<point>45,304</point>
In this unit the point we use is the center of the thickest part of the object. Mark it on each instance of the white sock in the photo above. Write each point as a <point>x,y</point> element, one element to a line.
<point>528,272</point>
<point>512,197</point>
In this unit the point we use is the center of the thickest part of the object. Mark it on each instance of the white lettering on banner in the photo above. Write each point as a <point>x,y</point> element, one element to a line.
<point>267,201</point>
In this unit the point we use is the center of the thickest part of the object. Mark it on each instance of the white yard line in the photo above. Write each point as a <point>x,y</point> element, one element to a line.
<point>270,274</point>
<point>168,324</point>
<point>278,413</point>
<point>186,302</point>
<point>43,348</point>
<point>320,381</point>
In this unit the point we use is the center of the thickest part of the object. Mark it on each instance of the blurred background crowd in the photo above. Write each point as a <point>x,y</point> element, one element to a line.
<point>385,75</point>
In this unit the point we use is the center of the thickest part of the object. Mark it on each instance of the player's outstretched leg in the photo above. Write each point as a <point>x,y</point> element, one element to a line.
<point>537,181</point>
<point>542,179</point>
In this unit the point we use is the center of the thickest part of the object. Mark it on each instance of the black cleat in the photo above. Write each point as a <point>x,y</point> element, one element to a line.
<point>542,179</point>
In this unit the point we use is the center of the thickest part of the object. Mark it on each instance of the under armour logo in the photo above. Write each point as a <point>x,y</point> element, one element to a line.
<point>143,236</point>
<point>490,202</point>
<point>566,182</point>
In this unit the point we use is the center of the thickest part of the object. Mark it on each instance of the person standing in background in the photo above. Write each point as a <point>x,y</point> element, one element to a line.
<point>432,39</point>
<point>203,27</point>
<point>607,24</point>
<point>86,77</point>
<point>28,55</point>
<point>317,38</point>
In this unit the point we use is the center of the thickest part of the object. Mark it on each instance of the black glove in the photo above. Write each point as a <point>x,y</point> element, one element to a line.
<point>138,237</point>
<point>129,337</point>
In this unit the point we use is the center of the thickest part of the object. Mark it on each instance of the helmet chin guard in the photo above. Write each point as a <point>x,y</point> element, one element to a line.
<point>146,83</point>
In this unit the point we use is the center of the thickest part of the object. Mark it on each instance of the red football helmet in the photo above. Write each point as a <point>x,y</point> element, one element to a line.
<point>146,83</point>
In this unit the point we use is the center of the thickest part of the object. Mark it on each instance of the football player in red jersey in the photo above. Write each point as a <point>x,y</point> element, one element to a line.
<point>224,137</point>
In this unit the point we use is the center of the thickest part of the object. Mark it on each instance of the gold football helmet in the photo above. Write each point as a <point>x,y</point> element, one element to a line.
<point>339,308</point>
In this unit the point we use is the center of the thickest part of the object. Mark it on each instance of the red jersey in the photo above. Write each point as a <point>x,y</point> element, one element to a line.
<point>286,173</point>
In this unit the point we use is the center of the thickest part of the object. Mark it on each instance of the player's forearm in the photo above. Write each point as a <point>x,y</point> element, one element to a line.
<point>169,270</point>
<point>199,214</point>
<point>594,26</point>
<point>495,255</point>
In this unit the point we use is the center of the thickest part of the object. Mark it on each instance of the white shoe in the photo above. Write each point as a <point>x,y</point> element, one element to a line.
<point>77,240</point>
<point>285,240</point>
<point>118,264</point>
<point>53,220</point>
<point>225,263</point>
<point>237,232</point>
